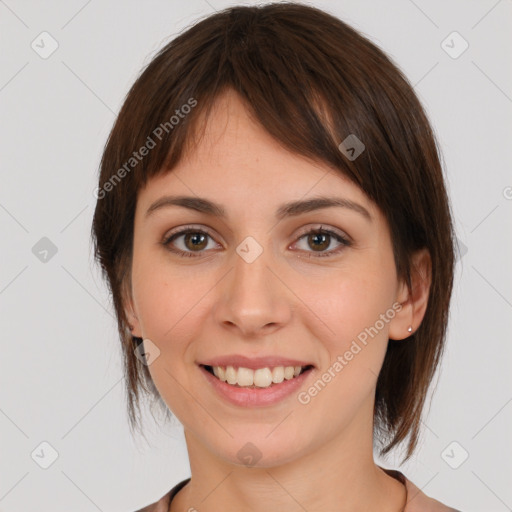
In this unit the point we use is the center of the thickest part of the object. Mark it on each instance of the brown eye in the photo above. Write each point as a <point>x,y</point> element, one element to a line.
<point>320,239</point>
<point>195,241</point>
<point>188,242</point>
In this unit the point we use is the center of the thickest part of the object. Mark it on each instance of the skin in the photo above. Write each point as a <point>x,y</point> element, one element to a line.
<point>319,455</point>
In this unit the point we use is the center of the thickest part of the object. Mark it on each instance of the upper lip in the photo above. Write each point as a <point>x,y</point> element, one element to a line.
<point>253,363</point>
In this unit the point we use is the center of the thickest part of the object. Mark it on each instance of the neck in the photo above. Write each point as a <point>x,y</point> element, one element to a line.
<point>332,474</point>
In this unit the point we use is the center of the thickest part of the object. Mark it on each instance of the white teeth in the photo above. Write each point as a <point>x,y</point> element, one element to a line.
<point>278,374</point>
<point>219,372</point>
<point>261,378</point>
<point>246,377</point>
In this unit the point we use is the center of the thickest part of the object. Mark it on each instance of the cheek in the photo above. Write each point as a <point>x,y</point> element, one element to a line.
<point>170,300</point>
<point>169,307</point>
<point>348,322</point>
<point>349,327</point>
<point>350,302</point>
<point>162,301</point>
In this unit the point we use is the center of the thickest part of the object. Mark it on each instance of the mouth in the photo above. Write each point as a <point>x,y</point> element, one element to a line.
<point>266,377</point>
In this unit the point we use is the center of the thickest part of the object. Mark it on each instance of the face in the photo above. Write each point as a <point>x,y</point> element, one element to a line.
<point>256,284</point>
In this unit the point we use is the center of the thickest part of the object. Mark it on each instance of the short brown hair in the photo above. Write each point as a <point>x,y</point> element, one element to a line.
<point>310,80</point>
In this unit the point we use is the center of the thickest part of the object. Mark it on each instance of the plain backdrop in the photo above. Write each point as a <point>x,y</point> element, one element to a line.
<point>62,400</point>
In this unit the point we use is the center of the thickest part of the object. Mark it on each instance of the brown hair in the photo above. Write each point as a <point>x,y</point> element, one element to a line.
<point>310,80</point>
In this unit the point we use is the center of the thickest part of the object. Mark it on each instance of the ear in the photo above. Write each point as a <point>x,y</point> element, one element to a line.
<point>129,310</point>
<point>413,299</point>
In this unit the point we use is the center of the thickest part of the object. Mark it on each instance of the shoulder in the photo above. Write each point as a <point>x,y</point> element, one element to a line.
<point>418,501</point>
<point>162,505</point>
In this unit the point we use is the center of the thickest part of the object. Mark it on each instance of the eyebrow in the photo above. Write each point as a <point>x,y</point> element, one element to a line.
<point>290,209</point>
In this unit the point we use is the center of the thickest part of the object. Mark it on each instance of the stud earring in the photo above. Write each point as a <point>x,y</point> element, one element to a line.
<point>410,328</point>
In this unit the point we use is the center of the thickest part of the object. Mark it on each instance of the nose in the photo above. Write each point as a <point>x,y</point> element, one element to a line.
<point>253,298</point>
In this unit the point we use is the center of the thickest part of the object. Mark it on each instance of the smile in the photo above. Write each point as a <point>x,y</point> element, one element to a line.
<point>259,378</point>
<point>254,395</point>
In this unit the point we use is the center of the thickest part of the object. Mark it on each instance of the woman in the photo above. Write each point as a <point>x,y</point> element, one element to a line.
<point>274,227</point>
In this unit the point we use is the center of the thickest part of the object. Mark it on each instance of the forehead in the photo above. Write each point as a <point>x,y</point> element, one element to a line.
<point>234,160</point>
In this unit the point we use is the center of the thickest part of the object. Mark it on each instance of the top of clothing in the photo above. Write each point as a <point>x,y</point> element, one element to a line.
<point>417,501</point>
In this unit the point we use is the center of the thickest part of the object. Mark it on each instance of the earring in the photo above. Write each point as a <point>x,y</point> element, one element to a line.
<point>410,328</point>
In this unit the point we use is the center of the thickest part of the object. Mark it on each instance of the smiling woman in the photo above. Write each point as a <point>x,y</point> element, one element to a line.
<point>281,261</point>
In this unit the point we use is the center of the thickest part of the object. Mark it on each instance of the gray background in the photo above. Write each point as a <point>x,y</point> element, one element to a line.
<point>60,369</point>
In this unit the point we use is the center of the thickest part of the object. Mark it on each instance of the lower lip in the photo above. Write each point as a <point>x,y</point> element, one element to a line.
<point>256,397</point>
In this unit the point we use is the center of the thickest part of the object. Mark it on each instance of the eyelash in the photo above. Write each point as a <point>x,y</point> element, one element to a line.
<point>342,240</point>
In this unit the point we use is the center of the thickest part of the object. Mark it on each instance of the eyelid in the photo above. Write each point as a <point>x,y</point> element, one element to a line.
<point>181,230</point>
<point>329,229</point>
<point>303,231</point>
<point>342,237</point>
